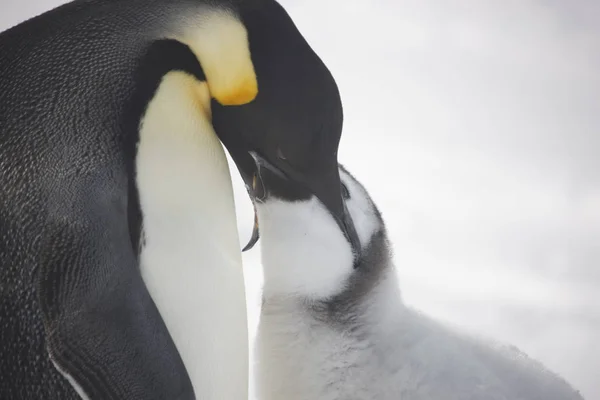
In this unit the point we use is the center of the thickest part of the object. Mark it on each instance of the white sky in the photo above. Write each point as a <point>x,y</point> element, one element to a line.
<point>476,127</point>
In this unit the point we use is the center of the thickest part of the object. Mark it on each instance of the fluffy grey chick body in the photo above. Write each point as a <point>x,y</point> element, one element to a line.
<point>334,326</point>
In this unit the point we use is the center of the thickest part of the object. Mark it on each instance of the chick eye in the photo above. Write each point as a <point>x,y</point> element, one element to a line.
<point>345,192</point>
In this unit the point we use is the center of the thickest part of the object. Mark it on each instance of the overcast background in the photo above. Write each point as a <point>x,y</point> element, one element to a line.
<point>475,125</point>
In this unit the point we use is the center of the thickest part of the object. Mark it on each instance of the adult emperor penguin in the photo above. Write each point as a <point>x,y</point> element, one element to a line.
<point>120,270</point>
<point>333,325</point>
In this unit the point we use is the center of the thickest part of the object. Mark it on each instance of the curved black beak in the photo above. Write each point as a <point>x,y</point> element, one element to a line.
<point>255,234</point>
<point>270,180</point>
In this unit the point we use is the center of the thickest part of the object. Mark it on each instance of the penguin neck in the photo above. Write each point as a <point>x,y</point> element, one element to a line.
<point>181,166</point>
<point>191,259</point>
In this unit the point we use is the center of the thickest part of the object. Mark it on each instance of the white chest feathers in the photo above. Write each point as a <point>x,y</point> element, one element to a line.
<point>191,261</point>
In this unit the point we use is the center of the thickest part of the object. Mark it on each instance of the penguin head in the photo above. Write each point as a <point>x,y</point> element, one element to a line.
<point>293,126</point>
<point>304,249</point>
<point>268,95</point>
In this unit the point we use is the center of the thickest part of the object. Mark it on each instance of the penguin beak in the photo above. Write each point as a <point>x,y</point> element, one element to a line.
<point>255,234</point>
<point>270,179</point>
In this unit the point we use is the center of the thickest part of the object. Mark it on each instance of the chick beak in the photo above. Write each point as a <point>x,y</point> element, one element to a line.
<point>325,186</point>
<point>255,234</point>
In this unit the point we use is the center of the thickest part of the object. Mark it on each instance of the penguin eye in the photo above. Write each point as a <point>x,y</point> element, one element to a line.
<point>280,154</point>
<point>345,192</point>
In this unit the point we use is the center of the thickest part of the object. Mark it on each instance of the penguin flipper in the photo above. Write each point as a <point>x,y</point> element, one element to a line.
<point>103,331</point>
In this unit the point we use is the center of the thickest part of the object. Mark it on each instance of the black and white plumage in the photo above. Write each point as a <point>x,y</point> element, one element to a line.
<point>96,98</point>
<point>333,325</point>
<point>106,149</point>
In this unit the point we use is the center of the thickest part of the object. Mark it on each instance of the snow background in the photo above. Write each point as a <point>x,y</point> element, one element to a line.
<point>476,127</point>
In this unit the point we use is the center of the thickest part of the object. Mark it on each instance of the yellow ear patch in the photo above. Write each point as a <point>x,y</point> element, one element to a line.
<point>220,42</point>
<point>244,93</point>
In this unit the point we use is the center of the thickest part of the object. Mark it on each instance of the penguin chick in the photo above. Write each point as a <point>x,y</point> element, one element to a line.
<point>333,324</point>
